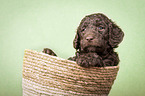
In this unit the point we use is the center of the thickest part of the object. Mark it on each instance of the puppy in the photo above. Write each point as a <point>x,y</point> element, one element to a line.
<point>96,38</point>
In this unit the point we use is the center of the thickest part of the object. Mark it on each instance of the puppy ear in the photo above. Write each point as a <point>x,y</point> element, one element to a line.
<point>76,42</point>
<point>115,35</point>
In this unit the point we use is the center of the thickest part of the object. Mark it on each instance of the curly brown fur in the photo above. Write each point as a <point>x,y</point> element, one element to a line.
<point>95,40</point>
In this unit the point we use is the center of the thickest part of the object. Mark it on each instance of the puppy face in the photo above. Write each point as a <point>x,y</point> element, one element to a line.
<point>93,34</point>
<point>96,33</point>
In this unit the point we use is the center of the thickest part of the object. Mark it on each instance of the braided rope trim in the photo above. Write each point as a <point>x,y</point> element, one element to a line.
<point>50,75</point>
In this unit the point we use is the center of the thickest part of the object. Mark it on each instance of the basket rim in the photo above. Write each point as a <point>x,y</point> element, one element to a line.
<point>69,61</point>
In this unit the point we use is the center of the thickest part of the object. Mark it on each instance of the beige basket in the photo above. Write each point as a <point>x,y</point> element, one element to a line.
<point>45,75</point>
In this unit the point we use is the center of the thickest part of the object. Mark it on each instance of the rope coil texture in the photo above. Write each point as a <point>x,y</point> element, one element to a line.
<point>45,75</point>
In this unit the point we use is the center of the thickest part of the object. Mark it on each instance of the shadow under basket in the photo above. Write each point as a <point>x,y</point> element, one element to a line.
<point>45,75</point>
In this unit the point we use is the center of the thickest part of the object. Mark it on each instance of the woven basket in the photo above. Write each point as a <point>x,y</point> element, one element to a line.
<point>45,75</point>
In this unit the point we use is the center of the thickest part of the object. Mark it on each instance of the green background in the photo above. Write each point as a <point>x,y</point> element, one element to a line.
<point>35,24</point>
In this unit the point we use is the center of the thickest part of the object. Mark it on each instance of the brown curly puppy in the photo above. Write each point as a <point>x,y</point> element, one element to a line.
<point>95,40</point>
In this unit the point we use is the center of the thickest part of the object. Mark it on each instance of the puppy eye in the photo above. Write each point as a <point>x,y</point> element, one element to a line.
<point>101,28</point>
<point>83,29</point>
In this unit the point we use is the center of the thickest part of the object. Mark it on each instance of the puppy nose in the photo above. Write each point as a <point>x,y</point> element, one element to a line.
<point>89,38</point>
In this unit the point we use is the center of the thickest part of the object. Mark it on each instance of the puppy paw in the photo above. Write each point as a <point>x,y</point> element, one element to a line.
<point>83,62</point>
<point>49,51</point>
<point>72,58</point>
